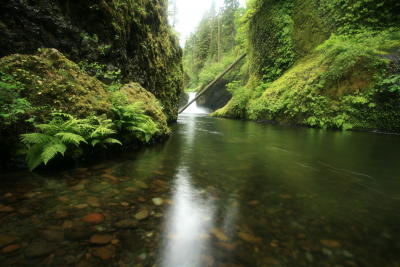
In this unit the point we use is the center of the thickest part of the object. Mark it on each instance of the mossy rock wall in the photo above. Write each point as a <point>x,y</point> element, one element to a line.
<point>48,83</point>
<point>326,63</point>
<point>131,36</point>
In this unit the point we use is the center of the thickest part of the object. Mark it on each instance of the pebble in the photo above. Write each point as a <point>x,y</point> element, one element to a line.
<point>327,252</point>
<point>93,202</point>
<point>38,249</point>
<point>78,187</point>
<point>81,206</point>
<point>249,238</point>
<point>96,188</point>
<point>78,232</point>
<point>330,243</point>
<point>67,224</point>
<point>109,176</point>
<point>142,214</point>
<point>63,199</point>
<point>10,248</point>
<point>141,184</point>
<point>309,257</point>
<point>219,234</point>
<point>6,240</point>
<point>6,208</point>
<point>101,239</point>
<point>94,218</point>
<point>157,201</point>
<point>104,253</point>
<point>131,189</point>
<point>52,235</point>
<point>126,224</point>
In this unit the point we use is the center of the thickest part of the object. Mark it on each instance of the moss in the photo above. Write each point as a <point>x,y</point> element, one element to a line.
<point>136,93</point>
<point>336,86</point>
<point>54,83</point>
<point>131,36</point>
<point>49,82</point>
<point>320,63</point>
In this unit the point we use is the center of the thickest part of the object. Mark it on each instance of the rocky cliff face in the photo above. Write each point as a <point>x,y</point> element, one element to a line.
<point>116,40</point>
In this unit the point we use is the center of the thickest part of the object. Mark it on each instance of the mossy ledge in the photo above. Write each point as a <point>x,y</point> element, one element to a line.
<point>322,64</point>
<point>38,85</point>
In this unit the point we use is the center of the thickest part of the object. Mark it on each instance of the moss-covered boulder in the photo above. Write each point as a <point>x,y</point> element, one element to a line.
<point>115,40</point>
<point>152,107</point>
<point>53,83</point>
<point>34,86</point>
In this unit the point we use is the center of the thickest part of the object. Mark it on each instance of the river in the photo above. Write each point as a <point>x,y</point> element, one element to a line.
<point>218,193</point>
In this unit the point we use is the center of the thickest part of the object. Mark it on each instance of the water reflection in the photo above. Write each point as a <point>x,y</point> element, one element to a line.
<point>188,223</point>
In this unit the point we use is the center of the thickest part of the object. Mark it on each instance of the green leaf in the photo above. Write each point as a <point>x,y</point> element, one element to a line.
<point>51,150</point>
<point>33,156</point>
<point>71,138</point>
<point>95,142</point>
<point>35,138</point>
<point>112,141</point>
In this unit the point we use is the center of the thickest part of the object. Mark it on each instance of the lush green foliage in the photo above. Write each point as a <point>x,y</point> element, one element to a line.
<point>318,92</point>
<point>12,106</point>
<point>214,45</point>
<point>66,134</point>
<point>131,120</point>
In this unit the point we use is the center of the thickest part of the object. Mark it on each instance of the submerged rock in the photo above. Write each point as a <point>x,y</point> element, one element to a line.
<point>104,253</point>
<point>10,249</point>
<point>142,214</point>
<point>94,218</point>
<point>6,208</point>
<point>93,202</point>
<point>6,240</point>
<point>157,201</point>
<point>38,249</point>
<point>330,243</point>
<point>126,224</point>
<point>101,239</point>
<point>53,235</point>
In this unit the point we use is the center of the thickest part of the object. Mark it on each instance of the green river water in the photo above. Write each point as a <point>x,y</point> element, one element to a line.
<point>217,193</point>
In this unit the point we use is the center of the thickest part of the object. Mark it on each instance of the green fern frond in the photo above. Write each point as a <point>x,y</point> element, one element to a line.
<point>95,142</point>
<point>62,115</point>
<point>71,138</point>
<point>51,150</point>
<point>35,138</point>
<point>112,141</point>
<point>33,158</point>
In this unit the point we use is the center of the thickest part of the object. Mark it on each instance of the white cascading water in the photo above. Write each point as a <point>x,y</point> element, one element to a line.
<point>193,108</point>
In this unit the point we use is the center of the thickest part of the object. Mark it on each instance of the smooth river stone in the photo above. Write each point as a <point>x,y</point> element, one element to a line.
<point>6,240</point>
<point>6,208</point>
<point>157,201</point>
<point>93,202</point>
<point>101,239</point>
<point>126,224</point>
<point>142,214</point>
<point>104,253</point>
<point>38,249</point>
<point>10,249</point>
<point>330,243</point>
<point>94,218</point>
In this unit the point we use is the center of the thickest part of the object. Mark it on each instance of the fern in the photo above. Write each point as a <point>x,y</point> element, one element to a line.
<point>51,150</point>
<point>132,120</point>
<point>70,138</point>
<point>65,134</point>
